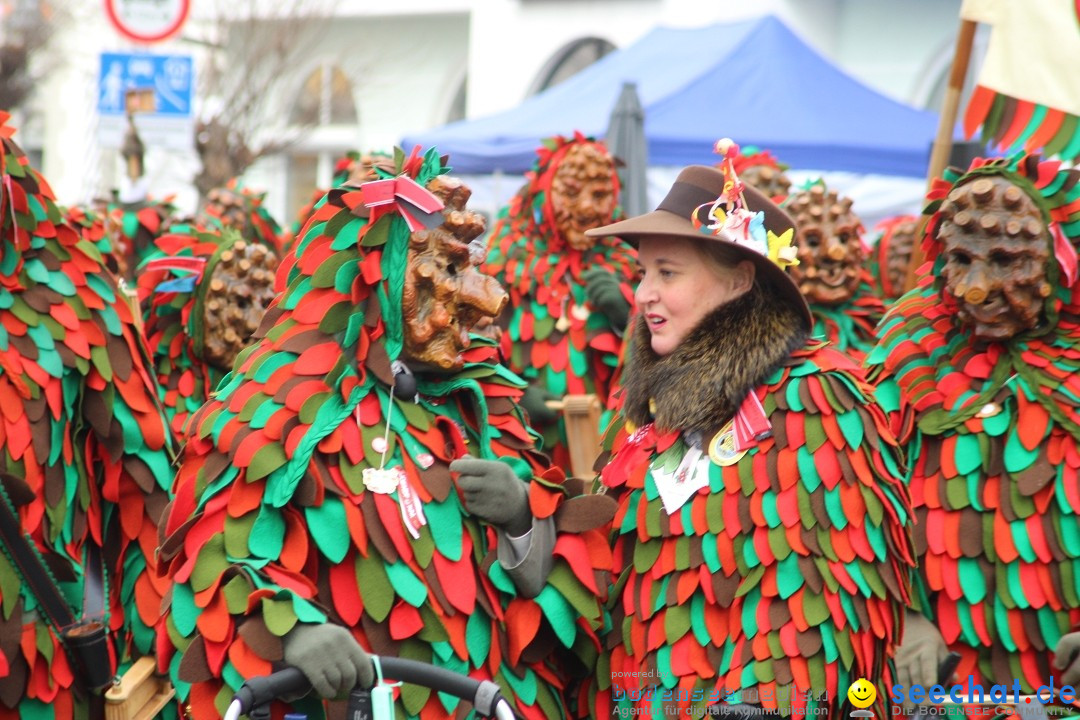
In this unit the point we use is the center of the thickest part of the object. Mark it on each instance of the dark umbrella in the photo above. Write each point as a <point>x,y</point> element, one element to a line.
<point>626,141</point>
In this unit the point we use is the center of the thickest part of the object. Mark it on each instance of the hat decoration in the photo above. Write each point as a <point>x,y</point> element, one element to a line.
<point>731,220</point>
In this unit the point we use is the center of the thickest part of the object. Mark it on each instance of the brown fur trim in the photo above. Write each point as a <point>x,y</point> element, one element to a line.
<point>700,385</point>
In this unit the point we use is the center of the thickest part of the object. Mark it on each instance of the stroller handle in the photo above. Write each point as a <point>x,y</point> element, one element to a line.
<point>483,694</point>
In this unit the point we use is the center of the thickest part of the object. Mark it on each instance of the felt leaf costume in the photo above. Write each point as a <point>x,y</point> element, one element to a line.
<point>782,579</point>
<point>551,333</point>
<point>186,285</point>
<point>83,435</point>
<point>761,541</point>
<point>993,436</point>
<point>283,513</point>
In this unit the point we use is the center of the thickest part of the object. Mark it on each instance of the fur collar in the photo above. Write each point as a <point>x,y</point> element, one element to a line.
<point>700,385</point>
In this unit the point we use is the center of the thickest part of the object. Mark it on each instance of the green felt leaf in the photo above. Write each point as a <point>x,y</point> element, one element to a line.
<point>325,274</point>
<point>851,425</point>
<point>524,687</point>
<point>563,580</point>
<point>478,638</point>
<point>1017,457</point>
<point>788,576</point>
<point>278,615</point>
<point>267,534</point>
<point>411,589</point>
<point>266,460</point>
<point>329,528</point>
<point>807,469</point>
<point>183,611</point>
<point>210,564</point>
<point>378,593</point>
<point>237,531</point>
<point>377,234</point>
<point>444,521</point>
<point>559,614</point>
<point>236,592</point>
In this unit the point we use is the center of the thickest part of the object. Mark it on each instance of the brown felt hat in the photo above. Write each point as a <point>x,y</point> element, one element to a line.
<point>696,188</point>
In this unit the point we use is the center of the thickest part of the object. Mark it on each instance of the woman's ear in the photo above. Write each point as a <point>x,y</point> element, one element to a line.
<point>742,279</point>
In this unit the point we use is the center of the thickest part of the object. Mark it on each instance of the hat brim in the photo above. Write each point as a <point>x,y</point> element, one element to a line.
<point>661,223</point>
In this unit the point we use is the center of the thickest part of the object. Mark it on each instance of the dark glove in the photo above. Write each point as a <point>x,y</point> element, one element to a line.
<point>330,657</point>
<point>920,653</point>
<point>1067,658</point>
<point>493,492</point>
<point>534,401</point>
<point>604,291</point>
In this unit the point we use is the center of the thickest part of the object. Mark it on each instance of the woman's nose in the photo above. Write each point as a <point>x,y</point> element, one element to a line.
<point>644,293</point>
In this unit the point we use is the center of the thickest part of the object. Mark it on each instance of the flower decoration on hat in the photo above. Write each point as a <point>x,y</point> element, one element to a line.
<point>729,217</point>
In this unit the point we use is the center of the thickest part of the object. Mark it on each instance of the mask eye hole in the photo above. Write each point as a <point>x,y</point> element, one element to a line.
<point>960,257</point>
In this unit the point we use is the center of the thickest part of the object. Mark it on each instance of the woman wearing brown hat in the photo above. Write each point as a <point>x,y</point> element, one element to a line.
<point>761,543</point>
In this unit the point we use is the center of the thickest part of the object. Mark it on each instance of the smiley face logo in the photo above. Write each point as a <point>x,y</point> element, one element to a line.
<point>862,693</point>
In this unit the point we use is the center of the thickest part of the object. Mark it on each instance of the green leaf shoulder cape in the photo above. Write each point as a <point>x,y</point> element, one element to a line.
<point>273,525</point>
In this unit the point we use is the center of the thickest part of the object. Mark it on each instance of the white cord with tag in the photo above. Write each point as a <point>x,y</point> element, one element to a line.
<point>382,695</point>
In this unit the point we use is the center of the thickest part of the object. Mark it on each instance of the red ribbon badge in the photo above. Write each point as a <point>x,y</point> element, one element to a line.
<point>418,205</point>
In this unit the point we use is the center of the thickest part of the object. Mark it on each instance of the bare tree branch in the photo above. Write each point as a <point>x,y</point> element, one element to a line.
<point>26,27</point>
<point>253,52</point>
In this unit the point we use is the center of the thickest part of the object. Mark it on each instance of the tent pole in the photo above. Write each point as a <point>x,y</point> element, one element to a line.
<point>950,107</point>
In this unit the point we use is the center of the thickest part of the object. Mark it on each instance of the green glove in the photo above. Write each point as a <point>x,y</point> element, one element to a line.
<point>330,657</point>
<point>1067,658</point>
<point>494,493</point>
<point>534,401</point>
<point>604,291</point>
<point>920,653</point>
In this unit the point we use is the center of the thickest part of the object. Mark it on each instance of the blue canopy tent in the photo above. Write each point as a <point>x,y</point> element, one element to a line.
<point>754,81</point>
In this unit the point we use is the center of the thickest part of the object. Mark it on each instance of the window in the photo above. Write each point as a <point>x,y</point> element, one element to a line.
<point>325,98</point>
<point>571,59</point>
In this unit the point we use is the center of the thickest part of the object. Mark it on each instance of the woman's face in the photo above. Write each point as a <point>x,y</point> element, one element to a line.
<point>680,285</point>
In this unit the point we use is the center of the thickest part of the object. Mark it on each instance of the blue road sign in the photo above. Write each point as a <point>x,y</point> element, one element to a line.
<point>170,76</point>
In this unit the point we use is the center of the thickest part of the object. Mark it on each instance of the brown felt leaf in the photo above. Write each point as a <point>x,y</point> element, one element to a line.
<point>119,357</point>
<point>193,665</point>
<point>1035,476</point>
<point>266,644</point>
<point>17,489</point>
<point>376,532</point>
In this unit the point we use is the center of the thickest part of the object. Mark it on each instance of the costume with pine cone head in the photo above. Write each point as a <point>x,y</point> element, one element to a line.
<point>979,365</point>
<point>315,488</point>
<point>552,334</point>
<point>203,294</point>
<point>85,450</point>
<point>831,272</point>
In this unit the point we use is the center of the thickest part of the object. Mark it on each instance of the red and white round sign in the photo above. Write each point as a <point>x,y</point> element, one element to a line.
<point>147,21</point>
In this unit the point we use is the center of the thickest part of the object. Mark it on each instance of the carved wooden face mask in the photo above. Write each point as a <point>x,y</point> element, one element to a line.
<point>583,194</point>
<point>996,248</point>
<point>444,293</point>
<point>830,248</point>
<point>241,288</point>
